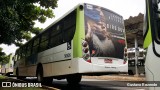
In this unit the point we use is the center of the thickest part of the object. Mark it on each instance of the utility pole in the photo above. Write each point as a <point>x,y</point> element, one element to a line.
<point>136,56</point>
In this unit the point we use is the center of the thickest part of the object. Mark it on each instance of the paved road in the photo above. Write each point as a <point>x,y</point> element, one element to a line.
<point>92,84</point>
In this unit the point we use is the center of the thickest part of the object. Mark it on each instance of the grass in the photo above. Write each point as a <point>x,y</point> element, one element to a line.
<point>2,77</point>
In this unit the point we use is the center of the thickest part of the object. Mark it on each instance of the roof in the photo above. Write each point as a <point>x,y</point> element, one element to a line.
<point>134,27</point>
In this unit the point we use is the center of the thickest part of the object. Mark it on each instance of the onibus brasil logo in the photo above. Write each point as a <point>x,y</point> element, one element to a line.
<point>15,84</point>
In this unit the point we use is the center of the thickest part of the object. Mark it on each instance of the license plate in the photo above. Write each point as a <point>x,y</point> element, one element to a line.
<point>108,60</point>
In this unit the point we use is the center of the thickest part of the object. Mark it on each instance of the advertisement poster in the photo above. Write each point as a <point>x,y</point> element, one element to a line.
<point>104,31</point>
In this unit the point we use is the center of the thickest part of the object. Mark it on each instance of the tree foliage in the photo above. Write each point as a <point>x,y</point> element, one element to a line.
<point>17,18</point>
<point>3,57</point>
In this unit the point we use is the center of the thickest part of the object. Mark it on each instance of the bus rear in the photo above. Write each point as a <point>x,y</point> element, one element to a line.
<point>105,42</point>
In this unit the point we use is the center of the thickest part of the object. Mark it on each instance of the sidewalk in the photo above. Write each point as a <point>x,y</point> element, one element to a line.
<point>116,78</point>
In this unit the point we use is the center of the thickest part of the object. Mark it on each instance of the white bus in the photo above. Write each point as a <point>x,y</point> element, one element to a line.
<point>151,33</point>
<point>132,63</point>
<point>89,39</point>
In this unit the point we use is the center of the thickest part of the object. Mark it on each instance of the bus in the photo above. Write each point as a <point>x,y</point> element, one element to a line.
<point>151,33</point>
<point>88,39</point>
<point>132,64</point>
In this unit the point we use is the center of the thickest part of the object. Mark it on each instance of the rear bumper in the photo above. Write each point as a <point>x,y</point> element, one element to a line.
<point>86,67</point>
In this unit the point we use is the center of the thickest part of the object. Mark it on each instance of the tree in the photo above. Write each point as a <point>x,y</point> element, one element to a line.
<point>3,57</point>
<point>17,18</point>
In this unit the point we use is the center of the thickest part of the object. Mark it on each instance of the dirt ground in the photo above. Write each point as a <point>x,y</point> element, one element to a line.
<point>117,77</point>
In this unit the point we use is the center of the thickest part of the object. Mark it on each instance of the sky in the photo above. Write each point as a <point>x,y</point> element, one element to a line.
<point>125,8</point>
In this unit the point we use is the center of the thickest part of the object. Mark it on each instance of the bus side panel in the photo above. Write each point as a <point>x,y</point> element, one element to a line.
<point>31,71</point>
<point>151,66</point>
<point>83,66</point>
<point>57,60</point>
<point>153,62</point>
<point>57,68</point>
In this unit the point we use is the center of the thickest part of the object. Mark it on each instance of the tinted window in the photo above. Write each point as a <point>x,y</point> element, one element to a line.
<point>63,31</point>
<point>28,49</point>
<point>56,29</point>
<point>35,45</point>
<point>43,45</point>
<point>69,26</point>
<point>36,42</point>
<point>56,40</point>
<point>68,34</point>
<point>44,37</point>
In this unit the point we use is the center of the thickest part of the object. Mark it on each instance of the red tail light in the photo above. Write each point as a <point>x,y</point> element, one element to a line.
<point>85,49</point>
<point>124,62</point>
<point>89,61</point>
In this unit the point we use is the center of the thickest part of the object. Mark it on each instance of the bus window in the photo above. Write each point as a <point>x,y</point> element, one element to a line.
<point>44,42</point>
<point>55,35</point>
<point>36,42</point>
<point>44,37</point>
<point>70,20</point>
<point>56,40</point>
<point>69,26</point>
<point>133,63</point>
<point>23,52</point>
<point>29,49</point>
<point>18,54</point>
<point>56,29</point>
<point>43,45</point>
<point>68,34</point>
<point>35,46</point>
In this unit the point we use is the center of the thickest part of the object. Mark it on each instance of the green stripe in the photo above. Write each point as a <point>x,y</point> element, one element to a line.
<point>148,38</point>
<point>79,34</point>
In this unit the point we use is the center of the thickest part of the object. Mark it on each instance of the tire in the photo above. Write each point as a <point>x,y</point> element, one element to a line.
<point>48,80</point>
<point>74,78</point>
<point>130,72</point>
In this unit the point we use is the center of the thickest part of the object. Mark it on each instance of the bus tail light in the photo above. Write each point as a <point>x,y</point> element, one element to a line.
<point>84,43</point>
<point>89,60</point>
<point>85,49</point>
<point>125,56</point>
<point>124,62</point>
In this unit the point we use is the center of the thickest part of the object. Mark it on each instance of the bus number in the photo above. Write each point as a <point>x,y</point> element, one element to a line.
<point>67,55</point>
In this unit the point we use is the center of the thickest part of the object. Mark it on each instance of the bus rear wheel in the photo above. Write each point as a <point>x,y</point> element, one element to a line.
<point>130,72</point>
<point>74,78</point>
<point>48,80</point>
